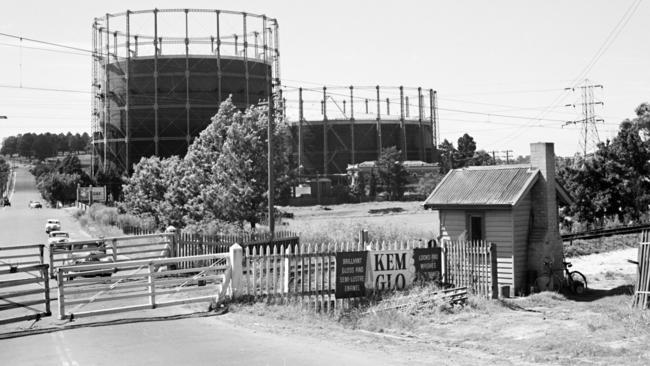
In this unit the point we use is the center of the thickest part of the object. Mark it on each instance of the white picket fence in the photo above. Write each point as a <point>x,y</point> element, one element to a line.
<point>304,273</point>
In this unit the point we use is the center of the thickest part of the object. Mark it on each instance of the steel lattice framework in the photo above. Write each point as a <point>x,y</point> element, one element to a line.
<point>159,75</point>
<point>336,126</point>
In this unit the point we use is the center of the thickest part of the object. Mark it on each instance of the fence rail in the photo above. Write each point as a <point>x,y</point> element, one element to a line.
<point>141,284</point>
<point>113,249</point>
<point>191,244</point>
<point>29,287</point>
<point>20,255</point>
<point>641,298</point>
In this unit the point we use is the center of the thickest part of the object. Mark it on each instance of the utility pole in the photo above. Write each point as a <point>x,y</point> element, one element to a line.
<point>588,132</point>
<point>507,152</point>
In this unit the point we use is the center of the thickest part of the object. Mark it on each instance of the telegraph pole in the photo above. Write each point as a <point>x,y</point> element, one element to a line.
<point>507,152</point>
<point>588,131</point>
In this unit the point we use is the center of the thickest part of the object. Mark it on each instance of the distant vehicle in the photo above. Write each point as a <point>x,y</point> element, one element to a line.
<point>52,225</point>
<point>35,204</point>
<point>58,237</point>
<point>88,253</point>
<point>5,201</point>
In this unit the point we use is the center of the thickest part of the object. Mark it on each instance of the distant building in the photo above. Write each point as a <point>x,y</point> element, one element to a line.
<point>513,206</point>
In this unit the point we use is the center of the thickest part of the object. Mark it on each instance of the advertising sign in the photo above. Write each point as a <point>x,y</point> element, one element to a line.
<point>351,274</point>
<point>391,269</point>
<point>428,263</point>
<point>98,194</point>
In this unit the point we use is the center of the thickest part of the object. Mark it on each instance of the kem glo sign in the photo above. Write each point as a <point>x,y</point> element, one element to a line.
<point>384,270</point>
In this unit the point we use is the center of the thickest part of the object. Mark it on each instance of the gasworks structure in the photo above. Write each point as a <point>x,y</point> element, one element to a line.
<point>159,76</point>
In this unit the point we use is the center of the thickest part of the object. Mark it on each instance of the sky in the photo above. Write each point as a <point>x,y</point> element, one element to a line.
<point>500,68</point>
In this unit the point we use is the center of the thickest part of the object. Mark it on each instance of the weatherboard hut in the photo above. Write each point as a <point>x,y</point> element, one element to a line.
<point>513,206</point>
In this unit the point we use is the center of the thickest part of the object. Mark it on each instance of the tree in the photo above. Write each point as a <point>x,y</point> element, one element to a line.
<point>447,154</point>
<point>229,164</point>
<point>9,146</point>
<point>59,187</point>
<point>465,151</point>
<point>25,144</point>
<point>44,146</point>
<point>145,189</point>
<point>70,165</point>
<point>391,172</point>
<point>613,182</point>
<point>113,182</point>
<point>5,171</point>
<point>482,158</point>
<point>223,177</point>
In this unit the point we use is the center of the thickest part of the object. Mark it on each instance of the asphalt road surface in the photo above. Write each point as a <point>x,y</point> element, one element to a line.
<point>202,341</point>
<point>20,225</point>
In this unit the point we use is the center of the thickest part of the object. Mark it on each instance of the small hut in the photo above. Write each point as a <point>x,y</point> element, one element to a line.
<point>513,206</point>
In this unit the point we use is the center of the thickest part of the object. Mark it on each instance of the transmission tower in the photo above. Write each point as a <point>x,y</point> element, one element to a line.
<point>589,138</point>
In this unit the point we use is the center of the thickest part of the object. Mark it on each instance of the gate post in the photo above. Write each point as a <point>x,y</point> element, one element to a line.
<point>152,286</point>
<point>495,277</point>
<point>61,297</point>
<point>51,254</point>
<point>236,259</point>
<point>46,282</point>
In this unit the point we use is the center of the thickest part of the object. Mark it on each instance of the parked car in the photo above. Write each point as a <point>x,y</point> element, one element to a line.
<point>5,201</point>
<point>58,237</point>
<point>52,225</point>
<point>35,204</point>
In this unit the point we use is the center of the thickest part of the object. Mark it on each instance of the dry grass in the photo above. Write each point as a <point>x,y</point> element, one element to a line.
<point>600,245</point>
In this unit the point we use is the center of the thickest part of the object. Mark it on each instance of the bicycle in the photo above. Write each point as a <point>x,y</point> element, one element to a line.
<point>573,281</point>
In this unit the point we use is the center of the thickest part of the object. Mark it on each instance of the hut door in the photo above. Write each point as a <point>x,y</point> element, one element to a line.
<point>476,228</point>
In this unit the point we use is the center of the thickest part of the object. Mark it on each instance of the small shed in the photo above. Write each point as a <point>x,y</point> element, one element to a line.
<point>513,206</point>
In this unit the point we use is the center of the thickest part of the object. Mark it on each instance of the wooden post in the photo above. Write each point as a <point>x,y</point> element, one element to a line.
<point>236,256</point>
<point>495,279</point>
<point>114,249</point>
<point>152,288</point>
<point>61,296</point>
<point>46,278</point>
<point>41,251</point>
<point>51,255</point>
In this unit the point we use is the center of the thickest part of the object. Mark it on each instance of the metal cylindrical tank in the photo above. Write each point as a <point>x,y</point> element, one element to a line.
<point>159,76</point>
<point>336,126</point>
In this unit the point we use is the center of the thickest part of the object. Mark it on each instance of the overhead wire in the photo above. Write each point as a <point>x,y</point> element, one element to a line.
<point>609,40</point>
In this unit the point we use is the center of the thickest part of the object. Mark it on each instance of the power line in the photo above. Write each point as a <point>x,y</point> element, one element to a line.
<point>43,49</point>
<point>45,89</point>
<point>45,42</point>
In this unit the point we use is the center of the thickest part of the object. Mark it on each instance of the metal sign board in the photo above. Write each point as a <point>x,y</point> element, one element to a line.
<point>351,274</point>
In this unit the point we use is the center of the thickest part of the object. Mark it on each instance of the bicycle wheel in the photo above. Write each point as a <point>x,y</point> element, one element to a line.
<point>578,282</point>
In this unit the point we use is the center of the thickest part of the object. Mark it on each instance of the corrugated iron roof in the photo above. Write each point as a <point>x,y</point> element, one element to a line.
<point>483,186</point>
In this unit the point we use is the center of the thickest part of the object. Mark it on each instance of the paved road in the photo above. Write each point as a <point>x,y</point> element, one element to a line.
<point>196,341</point>
<point>21,225</point>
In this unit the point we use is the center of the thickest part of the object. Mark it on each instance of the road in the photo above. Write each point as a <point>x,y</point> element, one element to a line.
<point>196,341</point>
<point>21,225</point>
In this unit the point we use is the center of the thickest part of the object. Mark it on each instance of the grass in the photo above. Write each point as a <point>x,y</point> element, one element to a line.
<point>348,231</point>
<point>585,247</point>
<point>101,220</point>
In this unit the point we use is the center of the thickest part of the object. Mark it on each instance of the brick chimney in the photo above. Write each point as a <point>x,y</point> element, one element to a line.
<point>544,241</point>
